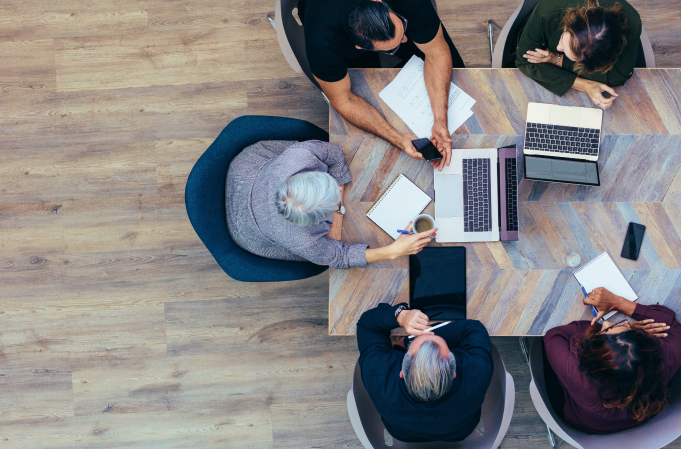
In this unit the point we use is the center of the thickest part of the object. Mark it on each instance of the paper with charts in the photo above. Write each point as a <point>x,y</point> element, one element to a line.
<point>408,97</point>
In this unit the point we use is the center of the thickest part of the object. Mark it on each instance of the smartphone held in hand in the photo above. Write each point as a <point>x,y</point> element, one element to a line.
<point>427,149</point>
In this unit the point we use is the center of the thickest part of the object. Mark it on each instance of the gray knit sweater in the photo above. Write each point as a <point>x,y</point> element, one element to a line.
<point>252,217</point>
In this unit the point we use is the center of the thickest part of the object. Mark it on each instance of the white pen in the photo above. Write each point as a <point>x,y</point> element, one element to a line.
<point>434,327</point>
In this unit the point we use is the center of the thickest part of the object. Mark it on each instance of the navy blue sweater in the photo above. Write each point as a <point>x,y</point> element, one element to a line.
<point>452,417</point>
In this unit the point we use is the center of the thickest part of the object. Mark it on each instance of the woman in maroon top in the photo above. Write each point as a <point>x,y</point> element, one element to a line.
<point>613,376</point>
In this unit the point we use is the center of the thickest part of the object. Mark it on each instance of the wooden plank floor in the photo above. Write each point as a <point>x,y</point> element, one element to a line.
<point>117,328</point>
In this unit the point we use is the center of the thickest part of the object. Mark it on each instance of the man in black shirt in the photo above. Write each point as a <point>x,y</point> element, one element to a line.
<point>435,391</point>
<point>350,33</point>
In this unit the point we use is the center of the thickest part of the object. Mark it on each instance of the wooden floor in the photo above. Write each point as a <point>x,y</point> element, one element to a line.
<point>117,328</point>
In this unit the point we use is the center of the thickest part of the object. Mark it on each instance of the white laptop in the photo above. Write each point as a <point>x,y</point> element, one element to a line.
<point>563,131</point>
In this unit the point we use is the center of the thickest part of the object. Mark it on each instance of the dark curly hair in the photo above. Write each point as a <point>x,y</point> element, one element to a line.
<point>626,368</point>
<point>598,36</point>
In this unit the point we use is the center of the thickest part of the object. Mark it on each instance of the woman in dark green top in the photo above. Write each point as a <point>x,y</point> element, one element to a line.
<point>588,46</point>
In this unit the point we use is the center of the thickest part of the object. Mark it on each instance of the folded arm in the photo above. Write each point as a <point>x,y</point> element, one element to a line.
<point>330,154</point>
<point>470,336</point>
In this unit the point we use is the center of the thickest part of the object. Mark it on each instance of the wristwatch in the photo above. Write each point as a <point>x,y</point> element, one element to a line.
<point>400,308</point>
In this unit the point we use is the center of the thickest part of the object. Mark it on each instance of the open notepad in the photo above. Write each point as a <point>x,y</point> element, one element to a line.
<point>602,272</point>
<point>398,206</point>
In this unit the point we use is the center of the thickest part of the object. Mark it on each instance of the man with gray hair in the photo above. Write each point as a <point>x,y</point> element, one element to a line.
<point>433,391</point>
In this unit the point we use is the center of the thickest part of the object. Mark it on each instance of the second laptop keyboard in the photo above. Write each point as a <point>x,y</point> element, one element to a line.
<point>477,195</point>
<point>562,139</point>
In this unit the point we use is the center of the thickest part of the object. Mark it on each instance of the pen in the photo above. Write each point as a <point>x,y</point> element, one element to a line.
<point>433,328</point>
<point>402,231</point>
<point>593,309</point>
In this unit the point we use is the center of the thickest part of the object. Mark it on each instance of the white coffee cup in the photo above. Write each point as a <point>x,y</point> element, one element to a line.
<point>424,221</point>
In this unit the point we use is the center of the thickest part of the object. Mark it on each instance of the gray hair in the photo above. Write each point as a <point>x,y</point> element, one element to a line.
<point>427,375</point>
<point>307,198</point>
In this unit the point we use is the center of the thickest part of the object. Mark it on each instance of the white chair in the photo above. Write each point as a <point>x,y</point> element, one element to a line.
<point>497,410</point>
<point>506,39</point>
<point>291,38</point>
<point>653,434</point>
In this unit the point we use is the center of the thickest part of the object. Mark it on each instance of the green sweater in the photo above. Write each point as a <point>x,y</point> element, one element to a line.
<point>543,28</point>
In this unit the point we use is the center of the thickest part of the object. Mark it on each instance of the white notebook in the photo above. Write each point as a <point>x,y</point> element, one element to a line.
<point>398,206</point>
<point>602,272</point>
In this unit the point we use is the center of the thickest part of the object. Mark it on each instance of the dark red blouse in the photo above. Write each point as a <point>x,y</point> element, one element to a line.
<point>584,408</point>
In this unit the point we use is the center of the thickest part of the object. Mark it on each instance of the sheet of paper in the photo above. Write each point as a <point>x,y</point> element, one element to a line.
<point>602,272</point>
<point>408,97</point>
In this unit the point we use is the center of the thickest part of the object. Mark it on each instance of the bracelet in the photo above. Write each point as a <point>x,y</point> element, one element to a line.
<point>560,56</point>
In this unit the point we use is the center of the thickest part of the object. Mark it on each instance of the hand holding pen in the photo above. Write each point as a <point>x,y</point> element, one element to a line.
<point>403,232</point>
<point>593,309</point>
<point>410,243</point>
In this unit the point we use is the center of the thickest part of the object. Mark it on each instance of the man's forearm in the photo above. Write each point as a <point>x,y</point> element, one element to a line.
<point>361,114</point>
<point>437,72</point>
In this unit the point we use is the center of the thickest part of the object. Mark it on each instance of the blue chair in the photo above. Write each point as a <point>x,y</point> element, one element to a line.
<point>205,197</point>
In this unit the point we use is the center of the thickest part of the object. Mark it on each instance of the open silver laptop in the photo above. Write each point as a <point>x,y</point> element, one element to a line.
<point>563,131</point>
<point>476,196</point>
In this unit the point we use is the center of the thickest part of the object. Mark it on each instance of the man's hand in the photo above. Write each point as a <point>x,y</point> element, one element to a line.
<point>655,329</point>
<point>443,142</point>
<point>408,147</point>
<point>595,91</point>
<point>414,322</point>
<point>336,226</point>
<point>538,56</point>
<point>605,301</point>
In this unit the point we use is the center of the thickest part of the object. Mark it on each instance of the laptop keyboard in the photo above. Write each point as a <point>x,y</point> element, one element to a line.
<point>511,195</point>
<point>562,139</point>
<point>477,195</point>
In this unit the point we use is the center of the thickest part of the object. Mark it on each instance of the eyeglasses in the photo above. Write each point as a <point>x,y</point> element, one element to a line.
<point>623,322</point>
<point>394,50</point>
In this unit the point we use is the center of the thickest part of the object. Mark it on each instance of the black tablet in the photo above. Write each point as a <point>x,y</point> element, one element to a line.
<point>437,282</point>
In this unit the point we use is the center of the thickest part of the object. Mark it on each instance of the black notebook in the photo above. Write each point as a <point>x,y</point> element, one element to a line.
<point>437,282</point>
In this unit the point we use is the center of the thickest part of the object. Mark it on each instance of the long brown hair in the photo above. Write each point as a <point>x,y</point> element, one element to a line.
<point>626,368</point>
<point>598,35</point>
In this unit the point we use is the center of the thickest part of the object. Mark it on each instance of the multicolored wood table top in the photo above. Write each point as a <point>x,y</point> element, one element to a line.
<point>524,287</point>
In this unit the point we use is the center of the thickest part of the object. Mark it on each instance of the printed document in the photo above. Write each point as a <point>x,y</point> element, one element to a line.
<point>408,97</point>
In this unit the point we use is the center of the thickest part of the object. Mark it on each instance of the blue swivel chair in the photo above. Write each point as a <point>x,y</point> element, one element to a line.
<point>205,197</point>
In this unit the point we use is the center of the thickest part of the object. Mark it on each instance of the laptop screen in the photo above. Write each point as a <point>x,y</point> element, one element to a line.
<point>437,282</point>
<point>573,171</point>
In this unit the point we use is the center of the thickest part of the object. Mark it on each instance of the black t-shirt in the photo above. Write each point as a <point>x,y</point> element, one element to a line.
<point>327,45</point>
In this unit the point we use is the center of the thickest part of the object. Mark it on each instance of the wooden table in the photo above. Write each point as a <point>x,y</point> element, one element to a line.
<point>524,288</point>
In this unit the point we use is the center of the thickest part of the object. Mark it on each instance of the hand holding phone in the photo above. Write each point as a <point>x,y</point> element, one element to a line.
<point>427,149</point>
<point>632,241</point>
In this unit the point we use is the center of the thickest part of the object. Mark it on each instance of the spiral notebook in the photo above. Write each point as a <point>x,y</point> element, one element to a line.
<point>398,206</point>
<point>602,272</point>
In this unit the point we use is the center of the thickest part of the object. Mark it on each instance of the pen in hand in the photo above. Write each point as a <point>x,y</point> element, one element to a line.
<point>593,309</point>
<point>402,231</point>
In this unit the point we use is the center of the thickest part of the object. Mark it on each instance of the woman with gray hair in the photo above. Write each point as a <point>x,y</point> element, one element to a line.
<point>283,201</point>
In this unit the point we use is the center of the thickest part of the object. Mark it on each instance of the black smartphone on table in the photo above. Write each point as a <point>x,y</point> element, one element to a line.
<point>632,241</point>
<point>427,149</point>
